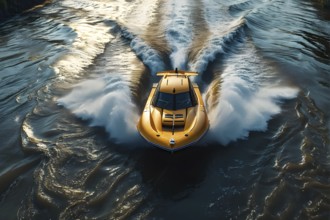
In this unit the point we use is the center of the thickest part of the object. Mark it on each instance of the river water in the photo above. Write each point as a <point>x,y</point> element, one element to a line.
<point>76,74</point>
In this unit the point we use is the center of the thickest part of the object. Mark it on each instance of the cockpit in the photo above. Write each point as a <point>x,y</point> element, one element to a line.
<point>174,101</point>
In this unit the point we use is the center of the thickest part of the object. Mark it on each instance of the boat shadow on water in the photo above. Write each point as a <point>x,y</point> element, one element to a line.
<point>174,175</point>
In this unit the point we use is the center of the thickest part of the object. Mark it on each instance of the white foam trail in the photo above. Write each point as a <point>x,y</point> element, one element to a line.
<point>216,44</point>
<point>178,30</point>
<point>105,102</point>
<point>148,55</point>
<point>250,95</point>
<point>216,15</point>
<point>144,12</point>
<point>224,29</point>
<point>241,109</point>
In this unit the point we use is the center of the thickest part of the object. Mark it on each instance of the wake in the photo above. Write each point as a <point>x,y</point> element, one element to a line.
<point>249,95</point>
<point>244,100</point>
<point>105,102</point>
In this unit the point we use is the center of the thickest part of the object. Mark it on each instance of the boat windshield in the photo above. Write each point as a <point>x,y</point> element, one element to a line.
<point>173,101</point>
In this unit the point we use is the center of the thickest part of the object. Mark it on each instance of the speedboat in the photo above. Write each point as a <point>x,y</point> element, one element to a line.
<point>174,116</point>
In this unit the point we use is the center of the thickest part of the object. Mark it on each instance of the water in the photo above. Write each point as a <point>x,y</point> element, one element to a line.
<point>76,74</point>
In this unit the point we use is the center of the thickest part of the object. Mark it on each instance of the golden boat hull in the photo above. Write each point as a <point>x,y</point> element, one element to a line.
<point>173,129</point>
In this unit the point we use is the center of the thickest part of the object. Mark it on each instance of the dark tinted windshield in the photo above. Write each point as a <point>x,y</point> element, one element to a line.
<point>164,100</point>
<point>173,101</point>
<point>183,100</point>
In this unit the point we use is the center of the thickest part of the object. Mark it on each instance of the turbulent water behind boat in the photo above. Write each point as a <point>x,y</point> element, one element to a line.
<point>76,74</point>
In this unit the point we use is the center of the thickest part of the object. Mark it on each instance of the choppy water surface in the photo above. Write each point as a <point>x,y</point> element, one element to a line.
<point>76,74</point>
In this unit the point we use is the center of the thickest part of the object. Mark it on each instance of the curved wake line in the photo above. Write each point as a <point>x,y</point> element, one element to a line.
<point>243,109</point>
<point>178,31</point>
<point>245,97</point>
<point>106,99</point>
<point>147,54</point>
<point>106,103</point>
<point>216,46</point>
